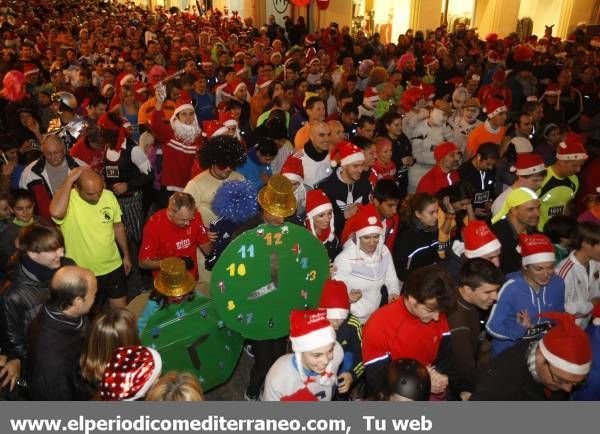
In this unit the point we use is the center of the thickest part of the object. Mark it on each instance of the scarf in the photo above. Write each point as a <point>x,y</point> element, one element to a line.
<point>327,378</point>
<point>41,272</point>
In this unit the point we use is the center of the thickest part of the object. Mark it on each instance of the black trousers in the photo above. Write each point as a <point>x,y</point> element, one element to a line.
<point>265,354</point>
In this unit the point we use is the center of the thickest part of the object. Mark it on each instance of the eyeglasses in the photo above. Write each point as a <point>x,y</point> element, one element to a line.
<point>561,381</point>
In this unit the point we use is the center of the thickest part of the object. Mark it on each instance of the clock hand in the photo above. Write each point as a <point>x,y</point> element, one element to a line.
<point>272,286</point>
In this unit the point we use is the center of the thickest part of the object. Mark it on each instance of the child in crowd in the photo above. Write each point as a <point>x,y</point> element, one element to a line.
<point>559,229</point>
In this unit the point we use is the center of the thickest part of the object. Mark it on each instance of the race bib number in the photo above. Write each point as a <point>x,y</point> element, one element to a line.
<point>112,171</point>
<point>482,197</point>
<point>556,210</point>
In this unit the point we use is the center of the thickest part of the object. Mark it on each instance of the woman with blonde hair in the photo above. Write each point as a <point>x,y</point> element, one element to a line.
<point>176,386</point>
<point>109,331</point>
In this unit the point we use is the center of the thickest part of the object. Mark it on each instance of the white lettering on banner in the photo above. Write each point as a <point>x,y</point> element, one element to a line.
<point>416,425</point>
<point>183,244</point>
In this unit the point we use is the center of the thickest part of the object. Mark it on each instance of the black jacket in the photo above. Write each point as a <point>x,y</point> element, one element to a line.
<point>18,307</point>
<point>55,345</point>
<point>414,248</point>
<point>509,379</point>
<point>510,259</point>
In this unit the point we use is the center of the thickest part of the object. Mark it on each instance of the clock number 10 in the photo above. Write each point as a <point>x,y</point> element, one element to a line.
<point>273,238</point>
<point>240,269</point>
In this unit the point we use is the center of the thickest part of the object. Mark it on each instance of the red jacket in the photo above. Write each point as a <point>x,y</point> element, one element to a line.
<point>434,180</point>
<point>178,156</point>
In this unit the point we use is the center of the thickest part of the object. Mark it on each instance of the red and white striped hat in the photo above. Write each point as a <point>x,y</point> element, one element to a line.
<point>571,149</point>
<point>536,248</point>
<point>528,164</point>
<point>566,346</point>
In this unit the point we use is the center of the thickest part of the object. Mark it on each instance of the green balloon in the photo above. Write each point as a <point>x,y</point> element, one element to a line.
<point>191,337</point>
<point>265,273</point>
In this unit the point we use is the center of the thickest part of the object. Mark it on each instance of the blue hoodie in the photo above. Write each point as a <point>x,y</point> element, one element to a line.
<point>591,390</point>
<point>252,169</point>
<point>514,296</point>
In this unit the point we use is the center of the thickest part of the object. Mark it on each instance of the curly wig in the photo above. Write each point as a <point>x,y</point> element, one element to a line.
<point>222,151</point>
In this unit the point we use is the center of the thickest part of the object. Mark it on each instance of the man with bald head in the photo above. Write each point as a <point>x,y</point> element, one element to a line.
<point>90,220</point>
<point>315,155</point>
<point>44,176</point>
<point>57,337</point>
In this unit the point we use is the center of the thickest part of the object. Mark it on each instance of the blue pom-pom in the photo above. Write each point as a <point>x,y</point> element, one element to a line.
<point>236,201</point>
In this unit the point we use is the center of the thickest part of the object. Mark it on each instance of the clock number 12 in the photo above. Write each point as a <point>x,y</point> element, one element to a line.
<point>269,238</point>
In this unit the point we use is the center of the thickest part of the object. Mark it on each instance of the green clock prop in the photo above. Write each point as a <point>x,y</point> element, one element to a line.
<point>265,273</point>
<point>191,337</point>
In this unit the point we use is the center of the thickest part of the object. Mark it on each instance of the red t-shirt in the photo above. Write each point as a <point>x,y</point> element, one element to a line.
<point>163,239</point>
<point>393,331</point>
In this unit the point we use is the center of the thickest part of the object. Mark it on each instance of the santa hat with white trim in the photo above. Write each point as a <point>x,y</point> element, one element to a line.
<point>571,149</point>
<point>180,108</point>
<point>535,249</point>
<point>127,78</point>
<point>293,170</point>
<point>370,98</point>
<point>310,329</point>
<point>528,164</point>
<point>494,107</point>
<point>566,346</point>
<point>263,82</point>
<point>346,153</point>
<point>30,68</point>
<point>317,202</point>
<point>479,239</point>
<point>366,222</point>
<point>335,299</point>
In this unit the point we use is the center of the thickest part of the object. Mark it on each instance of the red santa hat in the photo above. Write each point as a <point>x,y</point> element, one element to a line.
<point>366,221</point>
<point>522,53</point>
<point>130,374</point>
<point>301,395</point>
<point>30,68</point>
<point>491,37</point>
<point>335,299</point>
<point>210,127</point>
<point>263,82</point>
<point>139,87</point>
<point>370,97</point>
<point>126,78</point>
<point>181,107</point>
<point>566,346</point>
<point>233,86</point>
<point>444,149</point>
<point>105,122</point>
<point>428,62</point>
<point>571,149</point>
<point>310,40</point>
<point>429,91</point>
<point>310,329</point>
<point>528,164</point>
<point>479,239</point>
<point>345,153</point>
<point>227,119</point>
<point>317,202</point>
<point>313,60</point>
<point>535,248</point>
<point>411,97</point>
<point>494,107</point>
<point>553,89</point>
<point>239,68</point>
<point>596,310</point>
<point>293,170</point>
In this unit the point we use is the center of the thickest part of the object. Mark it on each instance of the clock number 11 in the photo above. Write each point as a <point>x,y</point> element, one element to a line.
<point>243,251</point>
